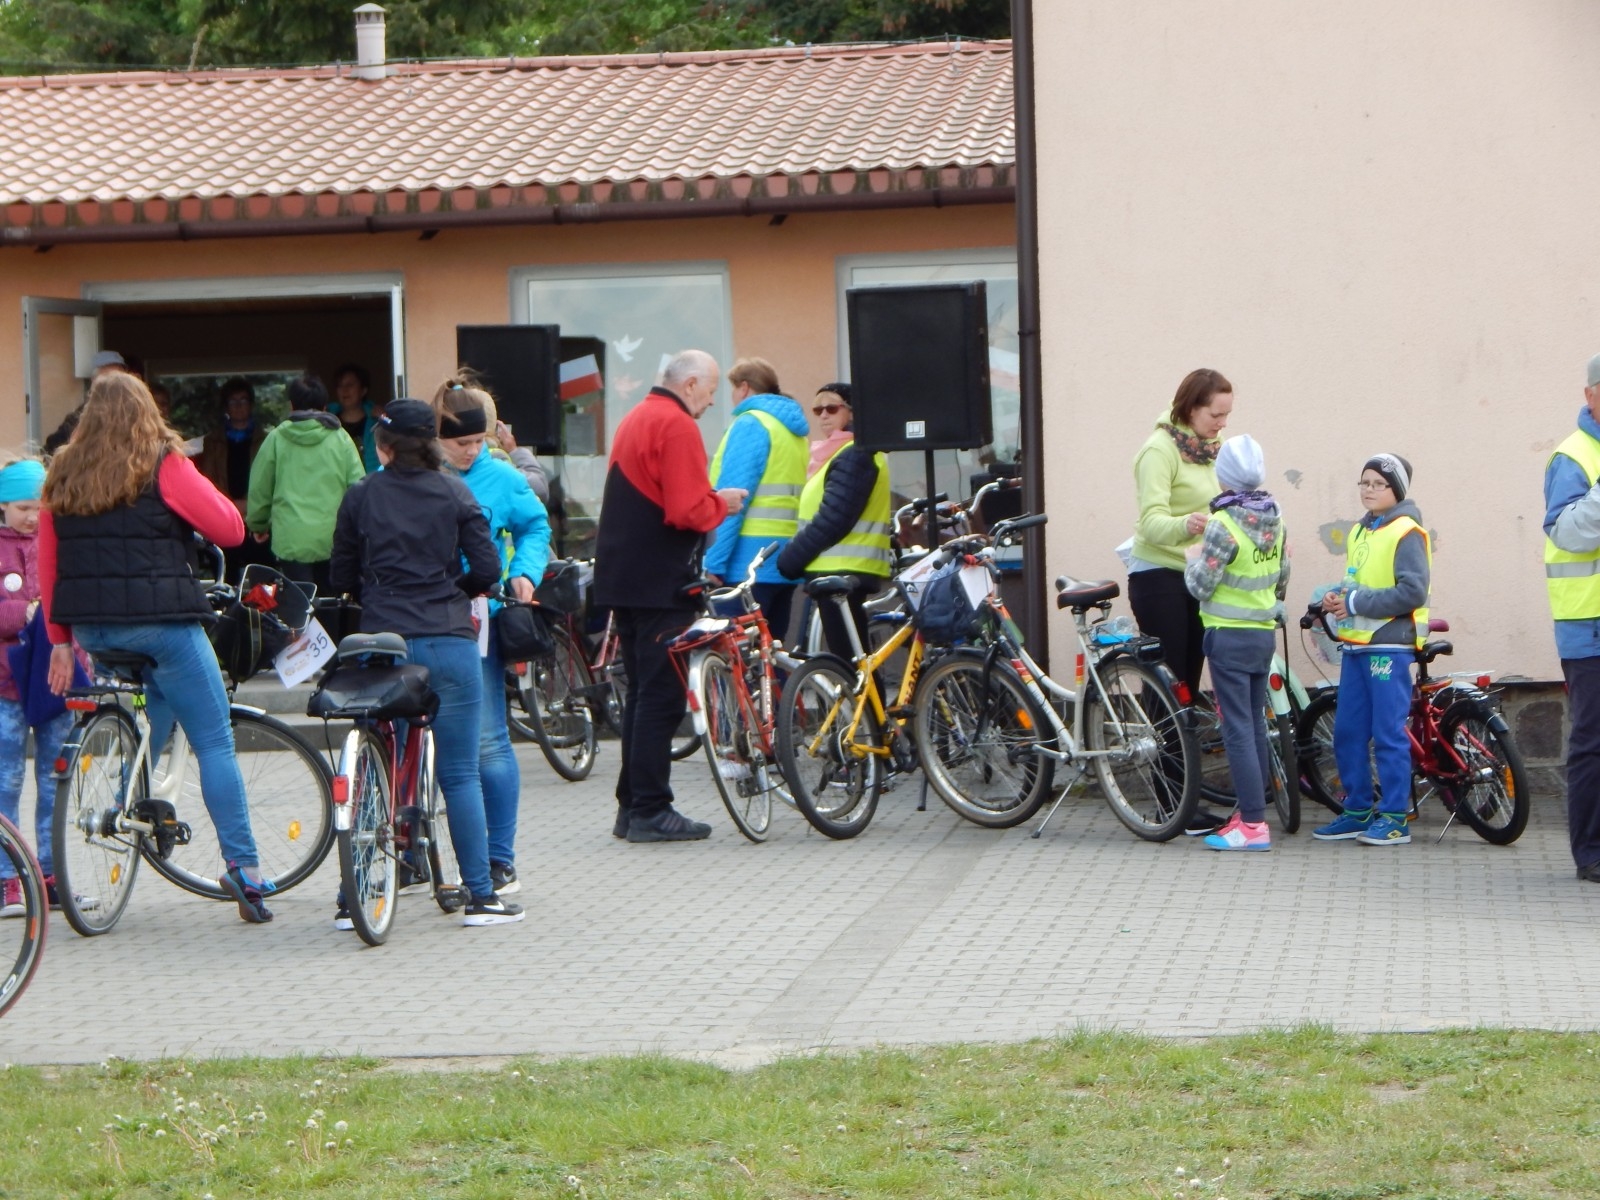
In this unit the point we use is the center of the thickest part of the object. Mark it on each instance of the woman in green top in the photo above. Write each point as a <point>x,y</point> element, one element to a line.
<point>1177,480</point>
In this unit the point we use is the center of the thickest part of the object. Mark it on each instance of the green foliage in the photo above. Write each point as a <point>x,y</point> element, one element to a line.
<point>874,20</point>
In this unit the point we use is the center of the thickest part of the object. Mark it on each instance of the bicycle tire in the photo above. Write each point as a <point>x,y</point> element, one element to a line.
<point>95,865</point>
<point>1154,788</point>
<point>684,742</point>
<point>1284,784</point>
<point>835,789</point>
<point>368,870</point>
<point>28,932</point>
<point>444,866</point>
<point>289,793</point>
<point>976,729</point>
<point>1496,806</point>
<point>727,748</point>
<point>559,712</point>
<point>1314,744</point>
<point>517,718</point>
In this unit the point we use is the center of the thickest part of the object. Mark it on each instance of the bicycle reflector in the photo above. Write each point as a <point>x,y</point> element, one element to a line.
<point>1275,682</point>
<point>341,789</point>
<point>1483,681</point>
<point>81,704</point>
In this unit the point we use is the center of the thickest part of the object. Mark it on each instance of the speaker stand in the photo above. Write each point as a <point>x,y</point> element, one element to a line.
<point>933,505</point>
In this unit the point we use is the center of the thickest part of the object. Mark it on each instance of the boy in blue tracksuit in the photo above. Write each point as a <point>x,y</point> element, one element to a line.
<point>765,451</point>
<point>520,528</point>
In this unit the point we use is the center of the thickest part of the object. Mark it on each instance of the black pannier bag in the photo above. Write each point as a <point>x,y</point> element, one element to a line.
<point>561,590</point>
<point>393,693</point>
<point>524,632</point>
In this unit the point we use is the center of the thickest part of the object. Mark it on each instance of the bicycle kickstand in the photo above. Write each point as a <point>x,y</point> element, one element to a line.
<point>1451,820</point>
<point>1039,832</point>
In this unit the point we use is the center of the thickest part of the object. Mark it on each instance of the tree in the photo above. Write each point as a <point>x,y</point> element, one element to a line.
<point>876,20</point>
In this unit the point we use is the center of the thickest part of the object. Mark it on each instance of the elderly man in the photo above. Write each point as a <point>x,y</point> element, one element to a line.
<point>1572,576</point>
<point>657,507</point>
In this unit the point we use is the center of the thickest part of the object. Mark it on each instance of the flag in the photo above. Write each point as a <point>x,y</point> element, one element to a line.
<point>580,377</point>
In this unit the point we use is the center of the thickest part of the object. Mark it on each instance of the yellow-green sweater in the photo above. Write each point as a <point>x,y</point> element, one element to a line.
<point>1169,490</point>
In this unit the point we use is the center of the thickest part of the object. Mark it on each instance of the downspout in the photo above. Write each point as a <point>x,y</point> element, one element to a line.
<point>1036,623</point>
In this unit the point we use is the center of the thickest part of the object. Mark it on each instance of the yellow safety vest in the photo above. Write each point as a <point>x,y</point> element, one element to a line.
<point>1369,563</point>
<point>1573,580</point>
<point>1247,596</point>
<point>772,511</point>
<point>865,549</point>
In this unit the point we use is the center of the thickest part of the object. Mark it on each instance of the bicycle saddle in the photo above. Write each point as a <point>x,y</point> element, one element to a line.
<point>357,644</point>
<point>1432,650</point>
<point>830,585</point>
<point>127,665</point>
<point>1079,594</point>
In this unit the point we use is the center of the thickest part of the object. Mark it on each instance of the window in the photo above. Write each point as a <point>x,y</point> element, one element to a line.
<point>998,269</point>
<point>630,319</point>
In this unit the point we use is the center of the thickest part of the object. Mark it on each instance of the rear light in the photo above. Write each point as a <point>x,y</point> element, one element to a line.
<point>520,668</point>
<point>61,766</point>
<point>341,789</point>
<point>694,702</point>
<point>81,704</point>
<point>1275,681</point>
<point>1181,690</point>
<point>1483,681</point>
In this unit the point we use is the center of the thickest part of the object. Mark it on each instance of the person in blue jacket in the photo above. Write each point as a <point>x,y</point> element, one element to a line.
<point>765,452</point>
<point>358,414</point>
<point>520,528</point>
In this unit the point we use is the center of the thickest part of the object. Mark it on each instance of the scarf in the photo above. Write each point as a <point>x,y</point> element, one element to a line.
<point>1255,500</point>
<point>1192,448</point>
<point>240,435</point>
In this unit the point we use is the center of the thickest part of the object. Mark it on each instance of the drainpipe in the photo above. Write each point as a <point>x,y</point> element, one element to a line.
<point>1036,623</point>
<point>372,54</point>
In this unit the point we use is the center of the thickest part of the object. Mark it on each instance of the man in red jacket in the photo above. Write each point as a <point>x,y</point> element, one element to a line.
<point>657,508</point>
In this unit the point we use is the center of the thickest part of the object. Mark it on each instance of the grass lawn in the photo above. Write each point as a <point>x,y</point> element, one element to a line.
<point>1297,1114</point>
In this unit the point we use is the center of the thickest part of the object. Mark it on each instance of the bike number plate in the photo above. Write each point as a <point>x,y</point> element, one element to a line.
<point>301,658</point>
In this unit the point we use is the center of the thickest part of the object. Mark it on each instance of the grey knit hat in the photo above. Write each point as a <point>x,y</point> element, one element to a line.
<point>1395,470</point>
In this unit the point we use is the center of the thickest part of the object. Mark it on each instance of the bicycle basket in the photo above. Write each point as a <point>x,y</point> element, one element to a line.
<point>562,588</point>
<point>942,611</point>
<point>385,693</point>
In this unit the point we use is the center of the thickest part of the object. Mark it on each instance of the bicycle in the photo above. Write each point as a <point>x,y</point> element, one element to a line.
<point>727,664</point>
<point>118,799</point>
<point>22,939</point>
<point>1462,749</point>
<point>388,812</point>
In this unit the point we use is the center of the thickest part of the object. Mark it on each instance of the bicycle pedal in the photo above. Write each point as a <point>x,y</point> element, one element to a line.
<point>165,828</point>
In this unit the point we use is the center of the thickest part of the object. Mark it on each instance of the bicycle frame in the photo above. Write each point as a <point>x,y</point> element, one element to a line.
<point>866,691</point>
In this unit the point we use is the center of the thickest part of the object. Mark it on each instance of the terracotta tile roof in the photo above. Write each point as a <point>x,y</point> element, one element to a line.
<point>236,145</point>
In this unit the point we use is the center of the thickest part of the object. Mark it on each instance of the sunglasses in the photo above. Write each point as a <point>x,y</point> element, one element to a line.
<point>830,409</point>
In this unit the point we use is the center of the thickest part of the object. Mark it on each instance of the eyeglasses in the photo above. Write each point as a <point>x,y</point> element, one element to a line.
<point>1372,485</point>
<point>830,409</point>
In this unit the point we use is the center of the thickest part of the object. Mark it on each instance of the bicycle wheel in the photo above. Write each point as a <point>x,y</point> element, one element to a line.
<point>96,861</point>
<point>444,868</point>
<point>976,733</point>
<point>289,789</point>
<point>517,718</point>
<point>740,771</point>
<point>1151,775</point>
<point>684,742</point>
<point>368,870</point>
<point>1284,786</point>
<point>834,787</point>
<point>1493,799</point>
<point>1315,752</point>
<point>22,939</point>
<point>555,696</point>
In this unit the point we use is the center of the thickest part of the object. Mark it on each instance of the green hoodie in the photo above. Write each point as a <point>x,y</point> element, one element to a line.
<point>1169,490</point>
<point>296,483</point>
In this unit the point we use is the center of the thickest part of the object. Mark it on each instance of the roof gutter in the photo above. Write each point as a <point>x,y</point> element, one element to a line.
<point>490,218</point>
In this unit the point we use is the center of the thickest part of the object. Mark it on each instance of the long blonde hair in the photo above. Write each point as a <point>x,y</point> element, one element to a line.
<point>114,452</point>
<point>461,392</point>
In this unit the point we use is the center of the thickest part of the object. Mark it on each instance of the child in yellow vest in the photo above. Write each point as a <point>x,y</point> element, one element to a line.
<point>1382,618</point>
<point>1236,572</point>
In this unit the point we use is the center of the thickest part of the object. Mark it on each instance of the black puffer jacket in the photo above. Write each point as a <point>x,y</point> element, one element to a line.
<point>845,491</point>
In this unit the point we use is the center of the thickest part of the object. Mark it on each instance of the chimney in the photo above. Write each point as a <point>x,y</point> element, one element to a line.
<point>371,53</point>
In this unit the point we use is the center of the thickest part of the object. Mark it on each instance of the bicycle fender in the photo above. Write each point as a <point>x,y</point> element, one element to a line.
<point>1278,697</point>
<point>691,683</point>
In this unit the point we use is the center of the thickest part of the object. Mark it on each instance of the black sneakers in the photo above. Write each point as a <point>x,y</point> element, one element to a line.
<point>1203,822</point>
<point>619,827</point>
<point>668,825</point>
<point>504,878</point>
<point>491,910</point>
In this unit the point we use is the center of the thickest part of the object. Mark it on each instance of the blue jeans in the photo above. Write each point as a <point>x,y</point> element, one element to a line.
<point>1374,704</point>
<point>455,675</point>
<point>47,741</point>
<point>1241,660</point>
<point>186,685</point>
<point>497,763</point>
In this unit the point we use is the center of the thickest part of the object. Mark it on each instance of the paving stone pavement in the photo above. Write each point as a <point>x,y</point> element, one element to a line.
<point>925,929</point>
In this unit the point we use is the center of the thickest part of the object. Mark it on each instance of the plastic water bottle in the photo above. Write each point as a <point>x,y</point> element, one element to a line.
<point>1115,632</point>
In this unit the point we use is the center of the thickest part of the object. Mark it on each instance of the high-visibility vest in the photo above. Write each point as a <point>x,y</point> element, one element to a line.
<point>1247,596</point>
<point>1369,563</point>
<point>865,549</point>
<point>1573,580</point>
<point>772,511</point>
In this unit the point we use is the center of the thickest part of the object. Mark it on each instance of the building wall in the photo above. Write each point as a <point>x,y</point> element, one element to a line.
<point>782,277</point>
<point>1377,219</point>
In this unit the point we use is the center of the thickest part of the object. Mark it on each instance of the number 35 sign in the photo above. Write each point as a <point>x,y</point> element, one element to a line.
<point>300,659</point>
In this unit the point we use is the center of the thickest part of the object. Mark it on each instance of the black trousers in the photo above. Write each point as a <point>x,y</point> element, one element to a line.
<point>1583,758</point>
<point>1164,608</point>
<point>654,708</point>
<point>315,573</point>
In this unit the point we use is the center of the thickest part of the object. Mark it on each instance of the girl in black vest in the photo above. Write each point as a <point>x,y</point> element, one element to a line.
<point>121,507</point>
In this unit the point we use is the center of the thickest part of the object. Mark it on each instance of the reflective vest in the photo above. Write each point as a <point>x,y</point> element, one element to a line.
<point>1369,563</point>
<point>1573,580</point>
<point>772,510</point>
<point>865,549</point>
<point>1247,595</point>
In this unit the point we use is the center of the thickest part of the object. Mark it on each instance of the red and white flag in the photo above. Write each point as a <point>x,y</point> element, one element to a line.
<point>580,377</point>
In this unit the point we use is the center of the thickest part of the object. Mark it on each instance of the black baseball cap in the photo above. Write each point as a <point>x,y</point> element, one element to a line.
<point>410,418</point>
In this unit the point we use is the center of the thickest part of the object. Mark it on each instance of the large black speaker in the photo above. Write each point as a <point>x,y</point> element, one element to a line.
<point>521,364</point>
<point>919,367</point>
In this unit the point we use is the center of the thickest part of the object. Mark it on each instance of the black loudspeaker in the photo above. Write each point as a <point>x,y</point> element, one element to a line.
<point>919,367</point>
<point>521,365</point>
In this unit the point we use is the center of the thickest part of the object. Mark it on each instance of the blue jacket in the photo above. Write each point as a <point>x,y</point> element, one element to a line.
<point>1565,485</point>
<point>744,459</point>
<point>518,523</point>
